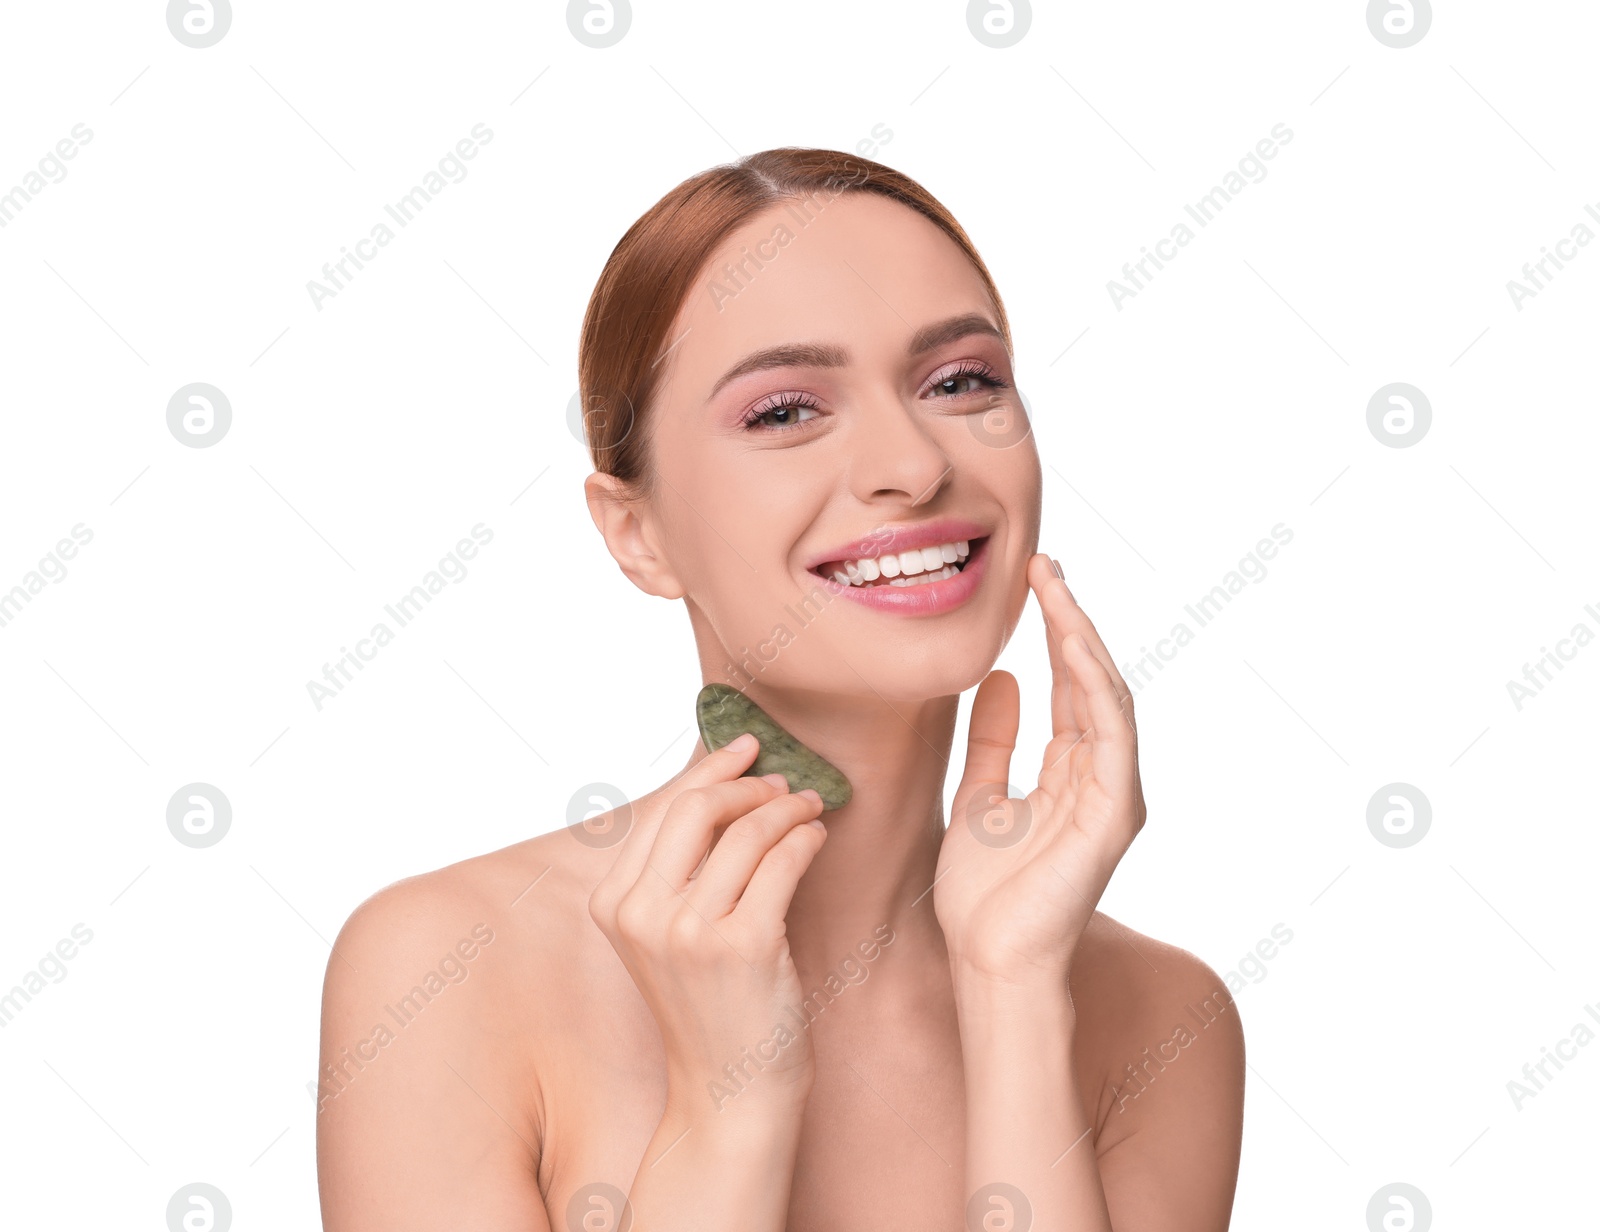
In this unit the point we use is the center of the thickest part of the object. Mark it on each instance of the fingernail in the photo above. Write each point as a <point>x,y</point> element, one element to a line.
<point>1056,565</point>
<point>777,780</point>
<point>742,744</point>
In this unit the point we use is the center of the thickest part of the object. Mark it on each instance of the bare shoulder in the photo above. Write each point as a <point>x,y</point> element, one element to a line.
<point>1132,976</point>
<point>1163,1028</point>
<point>1139,998</point>
<point>494,936</point>
<point>435,996</point>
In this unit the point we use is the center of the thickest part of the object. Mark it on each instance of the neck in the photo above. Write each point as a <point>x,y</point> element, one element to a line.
<point>878,864</point>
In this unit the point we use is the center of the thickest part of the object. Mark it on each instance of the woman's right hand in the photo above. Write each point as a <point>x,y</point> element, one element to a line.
<point>704,937</point>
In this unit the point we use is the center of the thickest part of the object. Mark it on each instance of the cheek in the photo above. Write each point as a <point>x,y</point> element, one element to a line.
<point>1022,481</point>
<point>1011,473</point>
<point>1031,485</point>
<point>746,587</point>
<point>778,634</point>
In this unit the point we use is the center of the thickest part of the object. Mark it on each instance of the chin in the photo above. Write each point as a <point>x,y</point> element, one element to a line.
<point>903,672</point>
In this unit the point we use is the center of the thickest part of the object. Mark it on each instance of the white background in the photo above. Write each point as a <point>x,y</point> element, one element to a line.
<point>431,394</point>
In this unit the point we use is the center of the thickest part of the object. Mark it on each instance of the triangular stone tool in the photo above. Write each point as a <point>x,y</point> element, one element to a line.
<point>724,713</point>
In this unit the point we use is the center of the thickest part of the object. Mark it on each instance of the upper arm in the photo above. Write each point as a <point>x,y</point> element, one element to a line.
<point>415,1126</point>
<point>1169,1148</point>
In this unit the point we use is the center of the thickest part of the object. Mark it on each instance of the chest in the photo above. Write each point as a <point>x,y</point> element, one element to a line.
<point>883,1144</point>
<point>882,1139</point>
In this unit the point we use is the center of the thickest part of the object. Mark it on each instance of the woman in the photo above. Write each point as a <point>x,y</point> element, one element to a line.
<point>798,381</point>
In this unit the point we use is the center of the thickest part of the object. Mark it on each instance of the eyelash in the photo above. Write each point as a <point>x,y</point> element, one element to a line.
<point>787,402</point>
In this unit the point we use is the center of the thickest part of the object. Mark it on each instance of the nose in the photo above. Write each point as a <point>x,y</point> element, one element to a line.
<point>893,457</point>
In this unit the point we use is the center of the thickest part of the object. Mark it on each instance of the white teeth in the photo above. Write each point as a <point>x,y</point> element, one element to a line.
<point>949,571</point>
<point>910,568</point>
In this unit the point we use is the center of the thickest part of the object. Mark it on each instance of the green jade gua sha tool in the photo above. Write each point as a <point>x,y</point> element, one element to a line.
<point>724,713</point>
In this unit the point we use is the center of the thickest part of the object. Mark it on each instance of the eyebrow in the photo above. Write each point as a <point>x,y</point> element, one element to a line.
<point>825,355</point>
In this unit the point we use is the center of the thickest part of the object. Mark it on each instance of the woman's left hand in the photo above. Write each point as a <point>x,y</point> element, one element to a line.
<point>1018,879</point>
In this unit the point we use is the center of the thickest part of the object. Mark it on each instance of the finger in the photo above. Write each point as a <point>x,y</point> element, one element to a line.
<point>1112,739</point>
<point>991,736</point>
<point>771,887</point>
<point>722,765</point>
<point>685,833</point>
<point>1065,616</point>
<point>1065,722</point>
<point>1065,611</point>
<point>740,850</point>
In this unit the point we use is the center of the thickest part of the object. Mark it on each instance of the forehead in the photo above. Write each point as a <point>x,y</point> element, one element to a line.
<point>857,269</point>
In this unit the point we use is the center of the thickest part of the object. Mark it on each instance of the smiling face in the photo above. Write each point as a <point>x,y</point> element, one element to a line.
<point>839,403</point>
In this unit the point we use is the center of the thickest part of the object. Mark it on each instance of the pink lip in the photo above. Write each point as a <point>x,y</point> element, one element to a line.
<point>927,599</point>
<point>902,539</point>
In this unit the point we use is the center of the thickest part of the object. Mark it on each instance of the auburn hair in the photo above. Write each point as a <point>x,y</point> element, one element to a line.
<point>656,264</point>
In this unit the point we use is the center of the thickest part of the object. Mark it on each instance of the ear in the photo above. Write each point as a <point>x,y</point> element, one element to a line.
<point>625,522</point>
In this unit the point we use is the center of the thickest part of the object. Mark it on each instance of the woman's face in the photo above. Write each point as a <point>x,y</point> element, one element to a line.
<point>838,391</point>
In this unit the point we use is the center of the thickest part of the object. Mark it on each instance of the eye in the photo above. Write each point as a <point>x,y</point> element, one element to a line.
<point>964,378</point>
<point>778,414</point>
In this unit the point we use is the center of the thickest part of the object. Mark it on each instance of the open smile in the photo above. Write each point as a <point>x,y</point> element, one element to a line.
<point>923,581</point>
